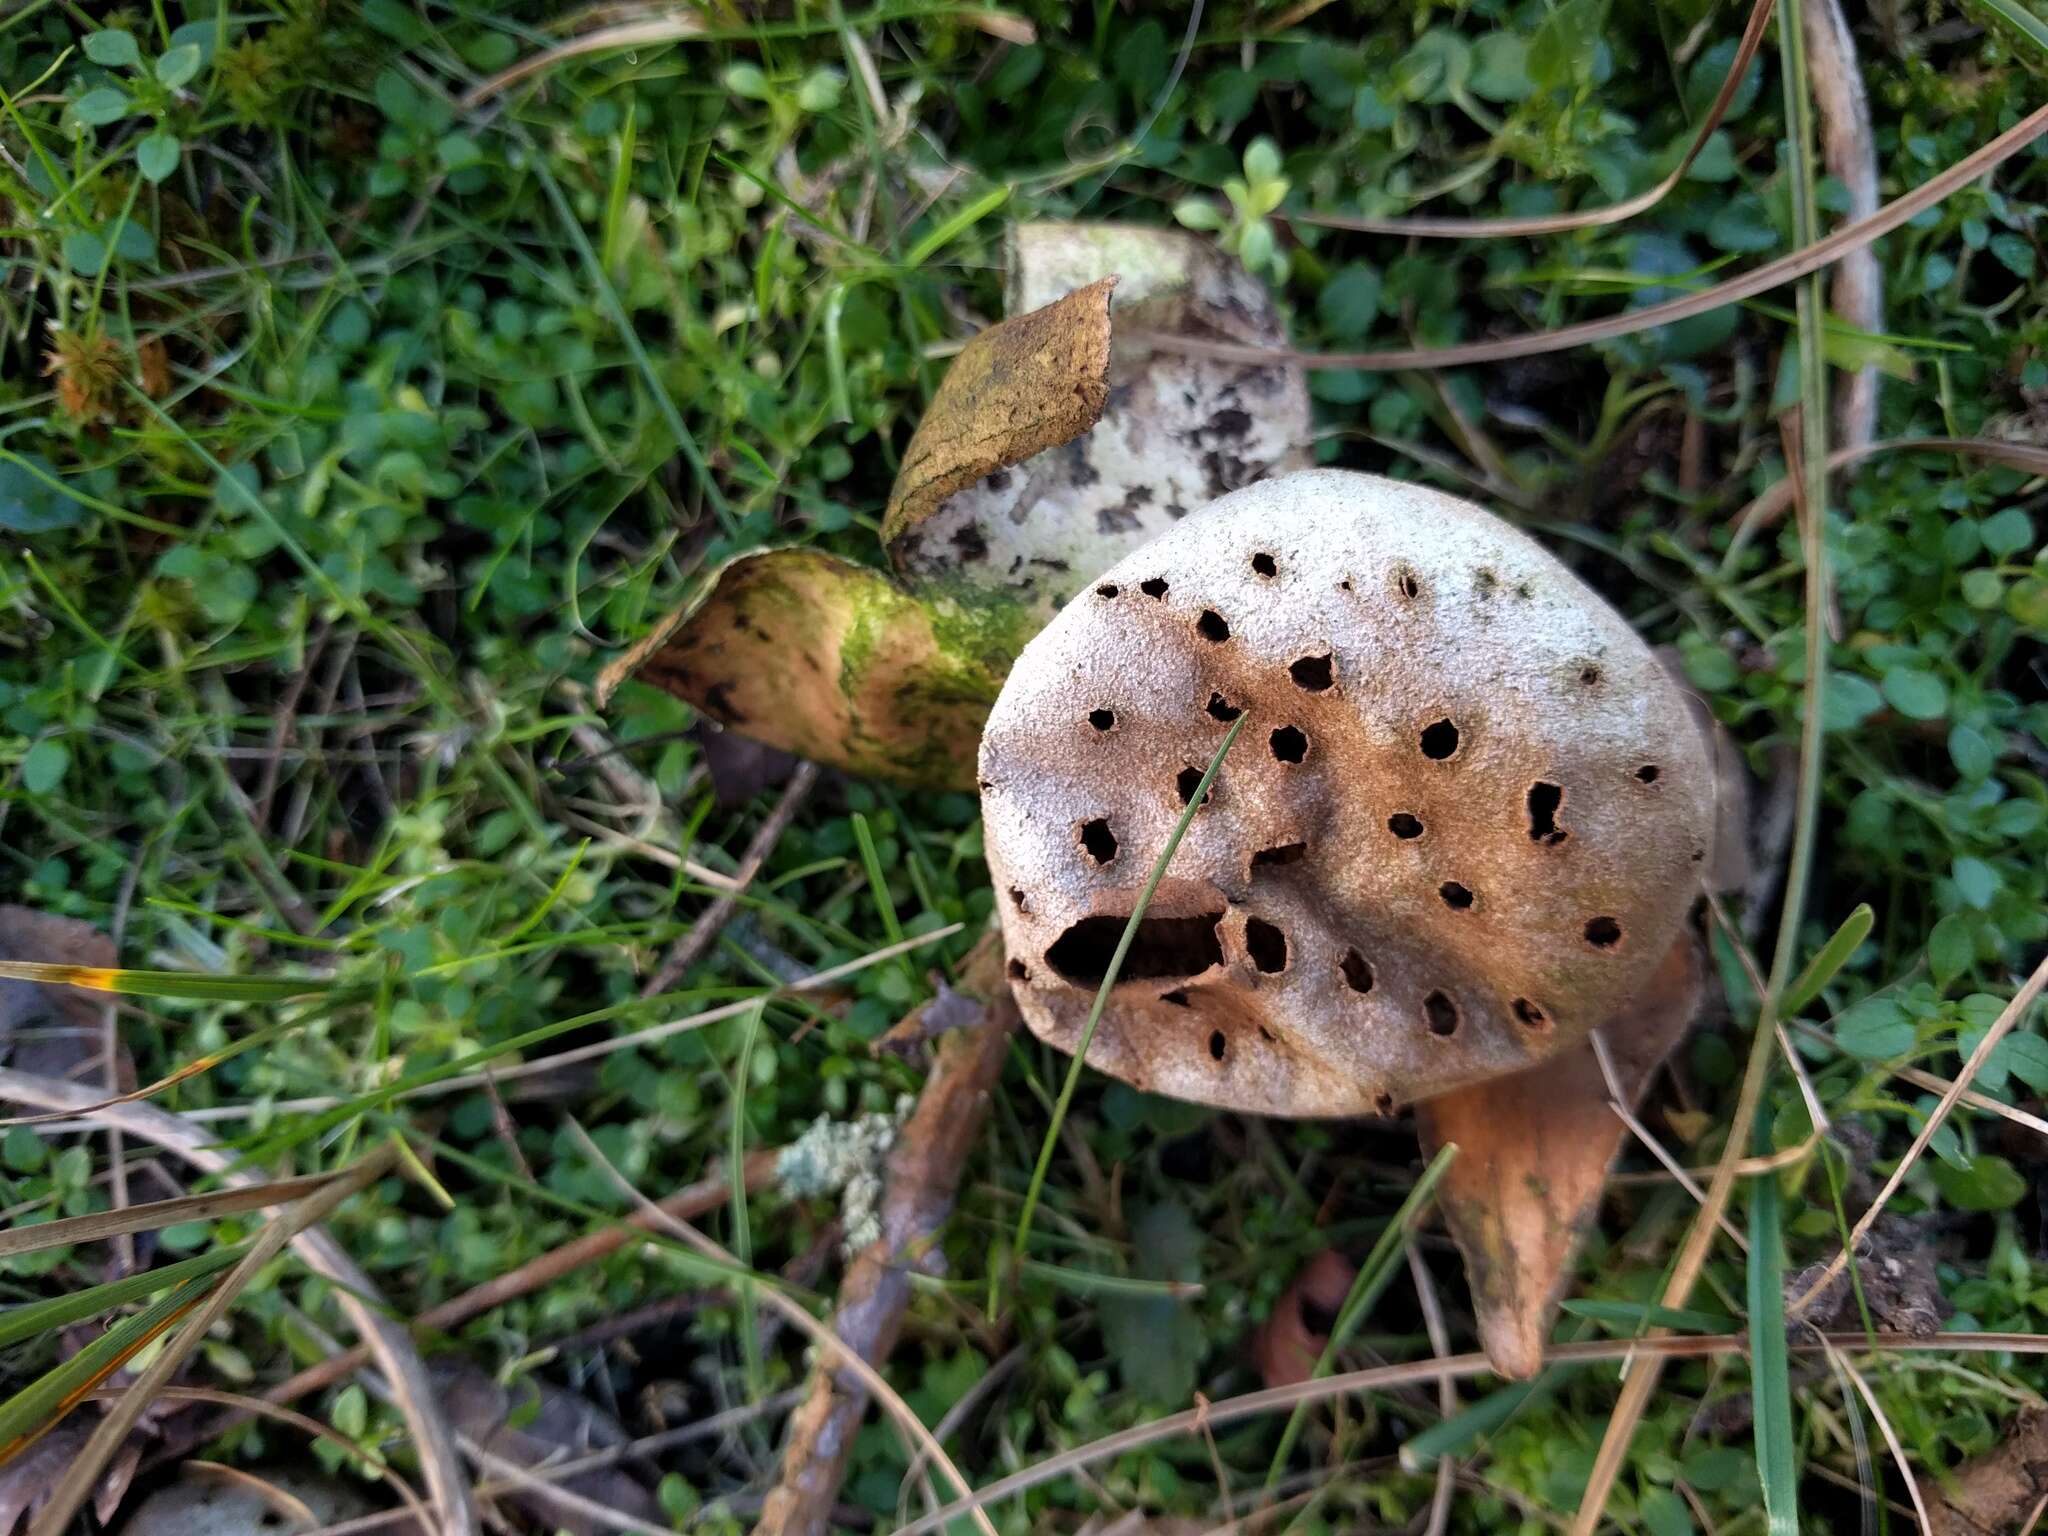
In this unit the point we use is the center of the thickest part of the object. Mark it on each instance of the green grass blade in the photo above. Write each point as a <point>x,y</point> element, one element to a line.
<point>39,1406</point>
<point>1450,1437</point>
<point>183,984</point>
<point>956,226</point>
<point>2020,19</point>
<point>1770,1382</point>
<point>1834,954</point>
<point>877,882</point>
<point>1633,1317</point>
<point>1090,1282</point>
<point>538,915</point>
<point>34,1317</point>
<point>1116,965</point>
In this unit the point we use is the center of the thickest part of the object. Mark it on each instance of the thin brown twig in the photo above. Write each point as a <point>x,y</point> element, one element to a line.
<point>923,1178</point>
<point>703,933</point>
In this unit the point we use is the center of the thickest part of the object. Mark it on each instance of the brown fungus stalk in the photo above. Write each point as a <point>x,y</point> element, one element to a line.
<point>1463,827</point>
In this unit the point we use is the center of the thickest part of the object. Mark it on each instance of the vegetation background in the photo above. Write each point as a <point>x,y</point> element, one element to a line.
<point>354,410</point>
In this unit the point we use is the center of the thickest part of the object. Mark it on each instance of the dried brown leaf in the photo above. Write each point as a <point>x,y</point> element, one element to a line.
<point>740,767</point>
<point>44,939</point>
<point>1030,383</point>
<point>1533,1154</point>
<point>26,1481</point>
<point>211,1500</point>
<point>1288,1344</point>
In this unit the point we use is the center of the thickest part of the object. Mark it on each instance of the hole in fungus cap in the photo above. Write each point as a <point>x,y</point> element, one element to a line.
<point>1367,978</point>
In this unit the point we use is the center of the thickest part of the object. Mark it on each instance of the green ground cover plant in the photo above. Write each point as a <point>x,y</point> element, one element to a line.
<point>373,374</point>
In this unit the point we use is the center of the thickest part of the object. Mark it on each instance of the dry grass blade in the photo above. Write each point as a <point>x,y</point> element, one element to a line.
<point>189,1070</point>
<point>1618,1101</point>
<point>76,1485</point>
<point>1800,263</point>
<point>566,1498</point>
<point>1849,147</point>
<point>827,1341</point>
<point>1884,1427</point>
<point>1970,1096</point>
<point>2013,1012</point>
<point>1446,1389</point>
<point>1691,1258</point>
<point>1427,227</point>
<point>158,1213</point>
<point>354,1291</point>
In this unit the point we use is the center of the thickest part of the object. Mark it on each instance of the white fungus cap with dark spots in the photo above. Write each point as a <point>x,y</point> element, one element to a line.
<point>1462,825</point>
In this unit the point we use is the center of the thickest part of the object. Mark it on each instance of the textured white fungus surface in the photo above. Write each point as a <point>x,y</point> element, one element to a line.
<point>1463,823</point>
<point>1178,431</point>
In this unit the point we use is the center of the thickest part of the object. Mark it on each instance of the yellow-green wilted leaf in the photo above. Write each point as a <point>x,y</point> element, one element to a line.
<point>834,662</point>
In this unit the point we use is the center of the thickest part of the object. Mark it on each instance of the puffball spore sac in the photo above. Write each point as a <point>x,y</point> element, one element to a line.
<point>1462,826</point>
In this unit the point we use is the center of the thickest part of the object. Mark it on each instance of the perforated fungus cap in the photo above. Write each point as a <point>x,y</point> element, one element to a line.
<point>1462,824</point>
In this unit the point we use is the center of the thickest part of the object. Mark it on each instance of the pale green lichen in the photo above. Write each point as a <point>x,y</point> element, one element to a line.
<point>846,1158</point>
